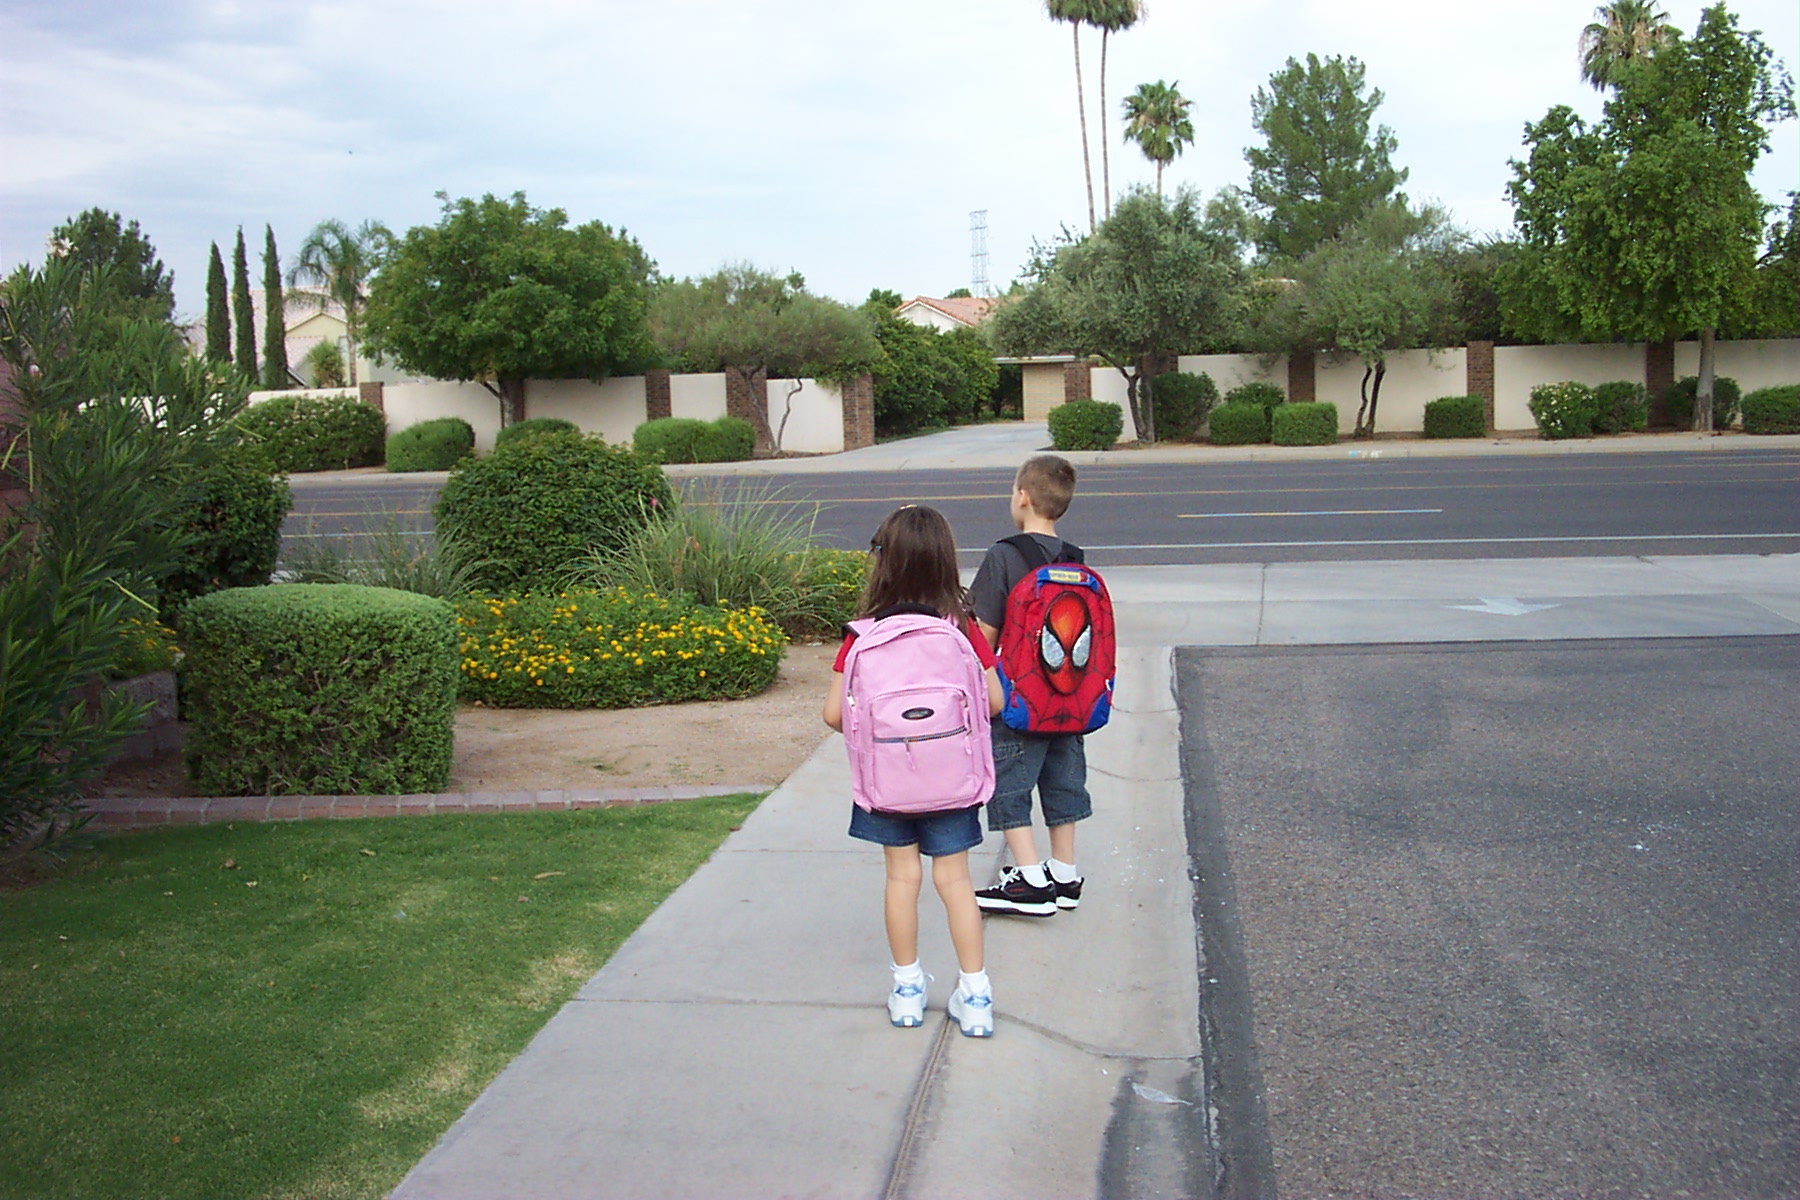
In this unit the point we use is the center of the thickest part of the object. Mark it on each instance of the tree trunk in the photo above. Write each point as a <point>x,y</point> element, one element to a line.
<point>787,411</point>
<point>1371,397</point>
<point>511,394</point>
<point>1159,167</point>
<point>1143,409</point>
<point>1087,168</point>
<point>1105,148</point>
<point>1703,392</point>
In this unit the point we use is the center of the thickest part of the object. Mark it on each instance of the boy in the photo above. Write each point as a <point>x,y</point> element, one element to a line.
<point>1056,766</point>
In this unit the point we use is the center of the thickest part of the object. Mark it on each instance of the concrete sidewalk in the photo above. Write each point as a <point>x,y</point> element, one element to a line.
<point>737,1044</point>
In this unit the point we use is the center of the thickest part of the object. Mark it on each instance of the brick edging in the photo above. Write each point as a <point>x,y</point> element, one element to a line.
<point>133,813</point>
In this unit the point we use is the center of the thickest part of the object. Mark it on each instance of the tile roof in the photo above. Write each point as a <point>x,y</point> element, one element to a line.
<point>965,310</point>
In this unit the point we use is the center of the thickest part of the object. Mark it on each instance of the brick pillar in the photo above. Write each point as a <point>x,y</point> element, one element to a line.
<point>1302,381</point>
<point>1078,382</point>
<point>656,395</point>
<point>859,413</point>
<point>371,394</point>
<point>1659,377</point>
<point>747,398</point>
<point>1478,376</point>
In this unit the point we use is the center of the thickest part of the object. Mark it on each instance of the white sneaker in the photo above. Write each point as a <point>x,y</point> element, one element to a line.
<point>974,1013</point>
<point>906,1005</point>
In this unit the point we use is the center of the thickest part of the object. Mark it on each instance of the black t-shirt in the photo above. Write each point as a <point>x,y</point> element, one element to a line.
<point>1000,570</point>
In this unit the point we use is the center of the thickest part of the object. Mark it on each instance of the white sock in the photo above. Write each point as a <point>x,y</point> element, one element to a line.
<point>976,983</point>
<point>911,973</point>
<point>1034,874</point>
<point>1063,872</point>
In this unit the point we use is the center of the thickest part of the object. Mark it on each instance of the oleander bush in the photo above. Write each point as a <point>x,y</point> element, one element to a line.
<point>533,427</point>
<point>690,440</point>
<point>1182,403</point>
<point>1772,410</point>
<point>612,649</point>
<point>1239,424</point>
<point>1678,401</point>
<point>522,514</point>
<point>1621,406</point>
<point>1086,425</point>
<point>1564,410</point>
<point>234,525</point>
<point>297,432</point>
<point>1456,417</point>
<point>435,445</point>
<point>1304,424</point>
<point>319,689</point>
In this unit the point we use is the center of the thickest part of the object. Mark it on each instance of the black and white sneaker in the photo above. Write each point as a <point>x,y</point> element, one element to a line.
<point>1068,895</point>
<point>1016,894</point>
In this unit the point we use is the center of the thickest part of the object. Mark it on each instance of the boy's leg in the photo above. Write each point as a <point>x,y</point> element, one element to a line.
<point>950,874</point>
<point>1062,842</point>
<point>905,874</point>
<point>1062,790</point>
<point>1023,845</point>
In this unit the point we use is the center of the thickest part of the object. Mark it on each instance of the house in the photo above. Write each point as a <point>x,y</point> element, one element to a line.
<point>945,315</point>
<point>310,318</point>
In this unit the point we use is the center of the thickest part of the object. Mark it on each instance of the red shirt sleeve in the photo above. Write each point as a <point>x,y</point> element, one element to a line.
<point>843,653</point>
<point>983,651</point>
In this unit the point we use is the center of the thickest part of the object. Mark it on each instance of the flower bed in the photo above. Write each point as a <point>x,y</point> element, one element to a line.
<point>611,649</point>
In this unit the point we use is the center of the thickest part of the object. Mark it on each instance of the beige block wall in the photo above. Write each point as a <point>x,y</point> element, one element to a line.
<point>612,409</point>
<point>1042,384</point>
<point>1414,378</point>
<point>1753,364</point>
<point>700,397</point>
<point>409,403</point>
<point>1518,369</point>
<point>1109,385</point>
<point>1235,370</point>
<point>816,423</point>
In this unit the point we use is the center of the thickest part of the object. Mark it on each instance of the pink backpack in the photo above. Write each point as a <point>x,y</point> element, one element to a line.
<point>916,717</point>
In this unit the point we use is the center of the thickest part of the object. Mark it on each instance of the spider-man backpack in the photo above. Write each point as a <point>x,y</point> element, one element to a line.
<point>1057,646</point>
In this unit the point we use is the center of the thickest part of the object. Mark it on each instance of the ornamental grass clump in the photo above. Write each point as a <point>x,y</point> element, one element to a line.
<point>612,649</point>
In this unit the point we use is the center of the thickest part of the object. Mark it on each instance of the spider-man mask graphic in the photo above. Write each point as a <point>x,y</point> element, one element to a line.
<point>1067,638</point>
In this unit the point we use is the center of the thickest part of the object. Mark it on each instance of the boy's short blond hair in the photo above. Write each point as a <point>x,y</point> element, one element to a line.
<point>1049,481</point>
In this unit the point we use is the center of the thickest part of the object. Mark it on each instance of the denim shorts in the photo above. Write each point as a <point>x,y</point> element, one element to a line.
<point>1055,766</point>
<point>936,834</point>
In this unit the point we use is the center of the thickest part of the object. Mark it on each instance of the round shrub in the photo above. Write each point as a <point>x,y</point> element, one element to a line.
<point>533,427</point>
<point>1678,401</point>
<point>1182,402</point>
<point>319,689</point>
<point>1304,424</point>
<point>1260,392</point>
<point>316,433</point>
<point>1240,424</point>
<point>1563,410</point>
<point>1620,406</point>
<point>1086,425</point>
<point>612,649</point>
<point>728,439</point>
<point>529,509</point>
<point>671,439</point>
<point>1456,417</point>
<point>1773,410</point>
<point>236,526</point>
<point>435,445</point>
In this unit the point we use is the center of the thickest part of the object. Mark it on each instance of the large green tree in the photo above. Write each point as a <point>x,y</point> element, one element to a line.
<point>243,313</point>
<point>1646,226</point>
<point>1771,308</point>
<point>764,326</point>
<point>138,285</point>
<point>275,361</point>
<point>1322,165</point>
<point>1623,31</point>
<point>500,292</point>
<point>218,310</point>
<point>1156,118</point>
<point>338,264</point>
<point>1157,280</point>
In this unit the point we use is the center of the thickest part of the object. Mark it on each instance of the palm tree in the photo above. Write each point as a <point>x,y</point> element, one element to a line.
<point>1076,12</point>
<point>339,262</point>
<point>1624,31</point>
<point>1156,118</point>
<point>1111,16</point>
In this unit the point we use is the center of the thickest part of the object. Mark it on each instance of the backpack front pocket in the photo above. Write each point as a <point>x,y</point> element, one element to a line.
<point>923,749</point>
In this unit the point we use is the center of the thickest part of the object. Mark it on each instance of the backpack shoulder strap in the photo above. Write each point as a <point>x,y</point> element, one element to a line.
<point>1036,556</point>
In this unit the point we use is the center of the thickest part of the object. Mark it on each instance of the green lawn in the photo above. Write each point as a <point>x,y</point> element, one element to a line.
<point>306,1022</point>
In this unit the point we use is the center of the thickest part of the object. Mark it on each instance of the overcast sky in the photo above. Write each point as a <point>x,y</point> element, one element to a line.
<point>849,141</point>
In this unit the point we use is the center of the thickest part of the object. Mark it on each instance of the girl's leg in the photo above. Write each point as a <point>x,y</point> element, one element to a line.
<point>905,874</point>
<point>950,873</point>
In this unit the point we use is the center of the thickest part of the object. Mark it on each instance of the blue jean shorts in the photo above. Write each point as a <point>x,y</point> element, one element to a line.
<point>1055,766</point>
<point>936,834</point>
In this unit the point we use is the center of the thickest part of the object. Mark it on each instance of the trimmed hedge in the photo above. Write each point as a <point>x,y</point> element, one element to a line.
<point>612,649</point>
<point>690,440</point>
<point>435,445</point>
<point>1678,401</point>
<point>1086,425</point>
<point>533,506</point>
<point>1456,417</point>
<point>1621,405</point>
<point>316,433</point>
<point>1773,410</point>
<point>1239,424</point>
<point>1182,402</point>
<point>1305,424</point>
<point>1259,392</point>
<point>533,427</point>
<point>236,527</point>
<point>1564,410</point>
<point>319,689</point>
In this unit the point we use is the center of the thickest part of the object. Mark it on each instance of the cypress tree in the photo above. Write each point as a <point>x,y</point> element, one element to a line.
<point>275,363</point>
<point>243,316</point>
<point>218,318</point>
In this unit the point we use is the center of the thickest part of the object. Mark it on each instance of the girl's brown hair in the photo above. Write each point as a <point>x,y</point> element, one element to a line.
<point>914,563</point>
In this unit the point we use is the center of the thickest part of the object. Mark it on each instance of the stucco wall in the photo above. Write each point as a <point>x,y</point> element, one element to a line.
<point>816,423</point>
<point>612,409</point>
<point>1414,378</point>
<point>1234,370</point>
<point>1518,369</point>
<point>701,397</point>
<point>409,403</point>
<point>1109,385</point>
<point>1753,364</point>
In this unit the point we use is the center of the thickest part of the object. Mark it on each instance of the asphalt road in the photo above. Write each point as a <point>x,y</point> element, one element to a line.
<point>1511,919</point>
<point>1713,503</point>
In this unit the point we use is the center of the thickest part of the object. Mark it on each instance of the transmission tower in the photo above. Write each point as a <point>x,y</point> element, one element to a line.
<point>978,256</point>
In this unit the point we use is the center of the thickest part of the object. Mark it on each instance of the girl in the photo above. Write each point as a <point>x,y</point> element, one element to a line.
<point>913,569</point>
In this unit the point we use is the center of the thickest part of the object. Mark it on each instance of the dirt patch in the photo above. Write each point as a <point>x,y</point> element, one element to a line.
<point>759,742</point>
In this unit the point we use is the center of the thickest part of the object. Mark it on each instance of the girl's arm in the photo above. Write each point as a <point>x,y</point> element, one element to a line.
<point>995,700</point>
<point>834,700</point>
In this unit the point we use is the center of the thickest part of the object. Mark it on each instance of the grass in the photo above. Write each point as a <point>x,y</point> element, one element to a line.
<point>307,1020</point>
